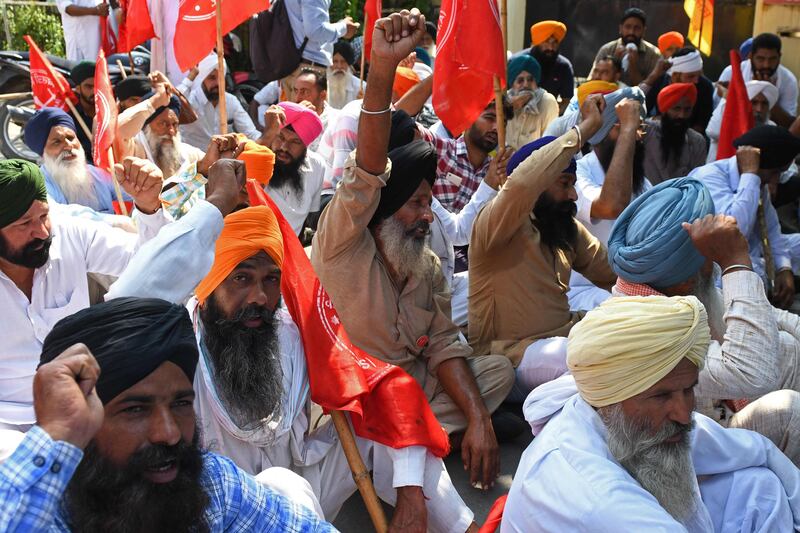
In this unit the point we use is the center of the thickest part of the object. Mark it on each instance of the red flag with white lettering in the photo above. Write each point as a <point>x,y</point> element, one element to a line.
<point>49,87</point>
<point>386,404</point>
<point>196,31</point>
<point>105,107</point>
<point>108,40</point>
<point>136,26</point>
<point>373,10</point>
<point>469,53</point>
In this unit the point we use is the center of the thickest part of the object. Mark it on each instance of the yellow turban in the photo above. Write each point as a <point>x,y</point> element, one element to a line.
<point>595,87</point>
<point>541,31</point>
<point>259,162</point>
<point>627,345</point>
<point>244,234</point>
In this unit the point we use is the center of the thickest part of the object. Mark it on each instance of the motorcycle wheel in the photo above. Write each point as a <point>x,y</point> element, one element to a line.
<point>11,144</point>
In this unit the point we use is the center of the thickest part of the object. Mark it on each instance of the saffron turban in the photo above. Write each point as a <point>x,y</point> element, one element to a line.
<point>411,164</point>
<point>671,39</point>
<point>778,146</point>
<point>37,129</point>
<point>541,31</point>
<point>305,122</point>
<point>648,244</point>
<point>21,182</point>
<point>595,87</point>
<point>404,79</point>
<point>130,338</point>
<point>526,150</point>
<point>244,234</point>
<point>628,344</point>
<point>524,63</point>
<point>259,162</point>
<point>674,93</point>
<point>770,92</point>
<point>610,118</point>
<point>691,62</point>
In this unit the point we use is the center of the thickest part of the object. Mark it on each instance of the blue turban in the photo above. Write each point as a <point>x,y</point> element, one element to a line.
<point>522,154</point>
<point>526,63</point>
<point>648,243</point>
<point>745,48</point>
<point>174,104</point>
<point>610,115</point>
<point>38,127</point>
<point>424,56</point>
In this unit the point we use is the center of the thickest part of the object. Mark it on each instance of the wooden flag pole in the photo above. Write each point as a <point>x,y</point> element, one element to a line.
<point>117,190</point>
<point>77,117</point>
<point>498,90</point>
<point>363,57</point>
<point>130,60</point>
<point>121,68</point>
<point>223,112</point>
<point>359,470</point>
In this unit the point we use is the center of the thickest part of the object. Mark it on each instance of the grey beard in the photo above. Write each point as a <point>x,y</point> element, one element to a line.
<point>166,155</point>
<point>246,365</point>
<point>663,469</point>
<point>73,178</point>
<point>706,291</point>
<point>404,253</point>
<point>337,88</point>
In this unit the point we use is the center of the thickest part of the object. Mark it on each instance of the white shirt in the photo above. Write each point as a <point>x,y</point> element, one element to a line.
<point>82,34</point>
<point>296,206</point>
<point>785,81</point>
<point>328,118</point>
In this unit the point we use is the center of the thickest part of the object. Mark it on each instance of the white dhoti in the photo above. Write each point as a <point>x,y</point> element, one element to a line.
<point>543,361</point>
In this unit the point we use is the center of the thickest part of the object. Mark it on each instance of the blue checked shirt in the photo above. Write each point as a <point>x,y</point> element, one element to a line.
<point>34,478</point>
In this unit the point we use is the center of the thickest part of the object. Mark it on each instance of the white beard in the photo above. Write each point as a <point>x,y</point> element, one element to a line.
<point>166,155</point>
<point>337,87</point>
<point>405,254</point>
<point>73,178</point>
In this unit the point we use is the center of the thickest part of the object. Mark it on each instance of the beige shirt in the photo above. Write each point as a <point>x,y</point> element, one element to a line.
<point>648,57</point>
<point>517,285</point>
<point>407,326</point>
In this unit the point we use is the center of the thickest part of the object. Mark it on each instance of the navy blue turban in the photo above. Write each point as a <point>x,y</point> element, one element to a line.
<point>526,150</point>
<point>610,118</point>
<point>174,104</point>
<point>130,338</point>
<point>37,130</point>
<point>648,243</point>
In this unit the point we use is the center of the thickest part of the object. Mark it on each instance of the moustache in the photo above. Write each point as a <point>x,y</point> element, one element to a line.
<point>567,207</point>
<point>422,225</point>
<point>64,154</point>
<point>158,456</point>
<point>252,312</point>
<point>37,244</point>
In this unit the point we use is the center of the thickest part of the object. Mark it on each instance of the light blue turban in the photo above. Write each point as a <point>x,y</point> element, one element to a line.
<point>610,116</point>
<point>648,244</point>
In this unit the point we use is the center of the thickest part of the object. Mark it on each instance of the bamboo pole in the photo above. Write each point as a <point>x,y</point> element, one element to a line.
<point>77,117</point>
<point>221,107</point>
<point>130,61</point>
<point>117,190</point>
<point>122,69</point>
<point>498,90</point>
<point>363,57</point>
<point>360,473</point>
<point>11,96</point>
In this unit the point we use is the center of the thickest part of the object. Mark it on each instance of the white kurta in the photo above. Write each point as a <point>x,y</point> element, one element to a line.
<point>295,206</point>
<point>567,479</point>
<point>82,34</point>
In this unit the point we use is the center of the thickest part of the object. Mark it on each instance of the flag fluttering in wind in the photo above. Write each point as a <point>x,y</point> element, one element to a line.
<point>108,40</point>
<point>737,119</point>
<point>701,23</point>
<point>373,10</point>
<point>105,115</point>
<point>386,404</point>
<point>469,53</point>
<point>137,26</point>
<point>49,87</point>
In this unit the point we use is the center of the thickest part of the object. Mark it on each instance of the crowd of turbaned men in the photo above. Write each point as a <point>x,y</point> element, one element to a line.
<point>210,329</point>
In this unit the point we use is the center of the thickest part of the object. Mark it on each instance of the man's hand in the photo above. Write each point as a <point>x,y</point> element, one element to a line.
<point>142,180</point>
<point>480,453</point>
<point>396,36</point>
<point>717,238</point>
<point>64,398</point>
<point>193,72</point>
<point>496,175</point>
<point>519,101</point>
<point>410,514</point>
<point>629,113</point>
<point>274,119</point>
<point>226,178</point>
<point>662,66</point>
<point>352,27</point>
<point>591,116</point>
<point>161,97</point>
<point>409,61</point>
<point>102,9</point>
<point>722,89</point>
<point>748,158</point>
<point>225,146</point>
<point>783,294</point>
<point>308,105</point>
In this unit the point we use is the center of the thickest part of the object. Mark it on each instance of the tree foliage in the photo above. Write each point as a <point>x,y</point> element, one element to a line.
<point>43,23</point>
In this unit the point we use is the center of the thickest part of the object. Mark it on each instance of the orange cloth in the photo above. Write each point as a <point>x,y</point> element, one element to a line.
<point>259,162</point>
<point>541,31</point>
<point>595,87</point>
<point>673,93</point>
<point>244,234</point>
<point>404,79</point>
<point>668,40</point>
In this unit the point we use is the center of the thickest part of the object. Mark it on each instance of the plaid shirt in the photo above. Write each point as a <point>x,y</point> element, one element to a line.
<point>34,478</point>
<point>454,167</point>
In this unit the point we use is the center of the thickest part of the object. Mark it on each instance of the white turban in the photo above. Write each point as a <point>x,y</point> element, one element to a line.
<point>628,344</point>
<point>204,68</point>
<point>691,62</point>
<point>770,92</point>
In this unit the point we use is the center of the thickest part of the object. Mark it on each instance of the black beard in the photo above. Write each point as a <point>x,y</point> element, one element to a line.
<point>104,497</point>
<point>546,59</point>
<point>673,136</point>
<point>765,72</point>
<point>605,152</point>
<point>556,223</point>
<point>632,39</point>
<point>481,141</point>
<point>29,256</point>
<point>245,362</point>
<point>212,95</point>
<point>288,173</point>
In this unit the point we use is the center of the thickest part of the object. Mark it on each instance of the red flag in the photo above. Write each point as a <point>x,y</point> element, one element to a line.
<point>50,88</point>
<point>108,41</point>
<point>492,523</point>
<point>469,53</point>
<point>196,32</point>
<point>373,10</point>
<point>738,116</point>
<point>105,115</point>
<point>136,26</point>
<point>386,404</point>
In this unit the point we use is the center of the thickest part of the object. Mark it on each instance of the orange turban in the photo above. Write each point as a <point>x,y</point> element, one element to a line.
<point>259,162</point>
<point>404,79</point>
<point>671,94</point>
<point>244,234</point>
<point>595,87</point>
<point>670,39</point>
<point>541,31</point>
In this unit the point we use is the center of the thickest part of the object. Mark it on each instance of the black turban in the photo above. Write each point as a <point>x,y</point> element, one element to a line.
<point>346,51</point>
<point>174,104</point>
<point>403,128</point>
<point>21,182</point>
<point>430,29</point>
<point>411,164</point>
<point>82,72</point>
<point>130,338</point>
<point>778,146</point>
<point>132,86</point>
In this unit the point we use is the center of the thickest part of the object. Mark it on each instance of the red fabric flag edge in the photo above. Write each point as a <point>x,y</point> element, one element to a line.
<point>737,118</point>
